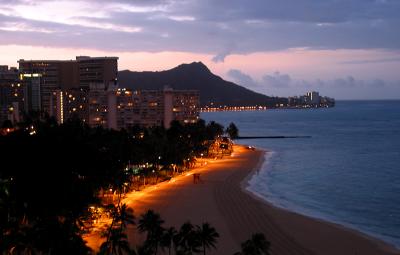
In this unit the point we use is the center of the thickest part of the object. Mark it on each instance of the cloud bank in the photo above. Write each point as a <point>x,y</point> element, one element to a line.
<point>222,30</point>
<point>220,27</point>
<point>343,88</point>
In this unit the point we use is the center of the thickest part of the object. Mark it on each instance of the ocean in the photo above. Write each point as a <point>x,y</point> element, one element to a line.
<point>348,172</point>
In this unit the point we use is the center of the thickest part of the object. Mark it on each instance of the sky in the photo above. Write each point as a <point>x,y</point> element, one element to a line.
<point>347,49</point>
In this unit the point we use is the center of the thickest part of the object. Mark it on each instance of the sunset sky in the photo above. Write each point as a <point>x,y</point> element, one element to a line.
<point>348,49</point>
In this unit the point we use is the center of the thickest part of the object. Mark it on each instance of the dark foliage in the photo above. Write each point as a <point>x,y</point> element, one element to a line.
<point>256,245</point>
<point>190,239</point>
<point>232,131</point>
<point>51,174</point>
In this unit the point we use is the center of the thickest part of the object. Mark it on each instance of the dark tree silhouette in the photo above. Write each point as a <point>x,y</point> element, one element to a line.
<point>151,223</point>
<point>116,238</point>
<point>232,131</point>
<point>214,130</point>
<point>66,168</point>
<point>208,236</point>
<point>124,216</point>
<point>168,238</point>
<point>257,245</point>
<point>187,240</point>
<point>116,245</point>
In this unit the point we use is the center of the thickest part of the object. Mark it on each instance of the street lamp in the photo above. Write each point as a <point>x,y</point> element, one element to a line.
<point>159,159</point>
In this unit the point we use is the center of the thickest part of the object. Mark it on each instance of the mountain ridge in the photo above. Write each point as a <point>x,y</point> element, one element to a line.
<point>214,91</point>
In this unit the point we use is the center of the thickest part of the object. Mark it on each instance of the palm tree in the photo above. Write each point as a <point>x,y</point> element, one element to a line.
<point>232,131</point>
<point>125,216</point>
<point>116,244</point>
<point>261,242</point>
<point>151,223</point>
<point>208,236</point>
<point>214,129</point>
<point>168,238</point>
<point>257,245</point>
<point>116,241</point>
<point>187,240</point>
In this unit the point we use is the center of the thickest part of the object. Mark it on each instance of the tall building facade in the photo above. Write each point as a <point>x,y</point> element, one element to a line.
<point>310,99</point>
<point>150,105</point>
<point>71,104</point>
<point>181,105</point>
<point>148,108</point>
<point>33,92</point>
<point>86,88</point>
<point>76,102</point>
<point>11,95</point>
<point>42,78</point>
<point>96,70</point>
<point>313,97</point>
<point>54,75</point>
<point>102,106</point>
<point>128,113</point>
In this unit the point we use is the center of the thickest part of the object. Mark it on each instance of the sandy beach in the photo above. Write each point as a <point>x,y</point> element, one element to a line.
<point>221,200</point>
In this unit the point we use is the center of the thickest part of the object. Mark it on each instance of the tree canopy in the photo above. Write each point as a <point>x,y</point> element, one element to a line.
<point>51,174</point>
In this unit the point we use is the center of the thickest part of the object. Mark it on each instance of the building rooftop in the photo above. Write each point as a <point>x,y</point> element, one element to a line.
<point>79,58</point>
<point>44,60</point>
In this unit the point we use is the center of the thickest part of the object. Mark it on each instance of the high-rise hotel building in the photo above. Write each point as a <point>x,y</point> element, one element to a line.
<point>181,105</point>
<point>11,95</point>
<point>102,106</point>
<point>96,70</point>
<point>42,77</point>
<point>47,76</point>
<point>87,88</point>
<point>118,108</point>
<point>148,108</point>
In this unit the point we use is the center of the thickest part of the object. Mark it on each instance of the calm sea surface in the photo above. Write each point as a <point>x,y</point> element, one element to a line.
<point>348,172</point>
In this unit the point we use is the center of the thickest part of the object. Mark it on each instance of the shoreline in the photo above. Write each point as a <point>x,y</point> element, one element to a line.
<point>244,184</point>
<point>237,213</point>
